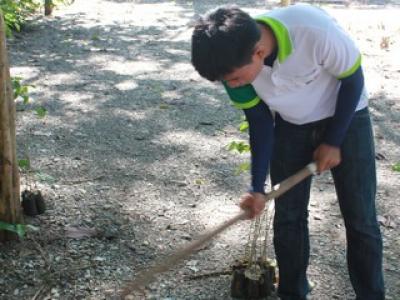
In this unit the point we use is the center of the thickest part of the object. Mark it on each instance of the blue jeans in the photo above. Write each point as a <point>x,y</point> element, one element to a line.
<point>355,183</point>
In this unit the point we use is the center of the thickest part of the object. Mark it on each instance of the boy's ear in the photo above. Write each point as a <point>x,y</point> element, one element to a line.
<point>259,51</point>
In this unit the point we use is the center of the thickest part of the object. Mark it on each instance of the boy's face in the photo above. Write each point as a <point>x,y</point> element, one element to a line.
<point>246,74</point>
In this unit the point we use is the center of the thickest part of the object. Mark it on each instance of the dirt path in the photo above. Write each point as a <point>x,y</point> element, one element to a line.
<point>134,146</point>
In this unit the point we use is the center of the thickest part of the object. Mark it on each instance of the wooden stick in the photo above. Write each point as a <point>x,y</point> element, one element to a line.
<point>147,276</point>
<point>211,274</point>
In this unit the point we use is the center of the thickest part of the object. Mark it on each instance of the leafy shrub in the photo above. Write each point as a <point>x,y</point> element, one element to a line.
<point>20,90</point>
<point>15,13</point>
<point>241,147</point>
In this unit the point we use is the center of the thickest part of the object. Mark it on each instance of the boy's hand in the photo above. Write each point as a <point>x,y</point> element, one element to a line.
<point>254,203</point>
<point>327,157</point>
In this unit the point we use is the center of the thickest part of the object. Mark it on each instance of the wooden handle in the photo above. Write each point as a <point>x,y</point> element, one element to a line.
<point>291,181</point>
<point>146,277</point>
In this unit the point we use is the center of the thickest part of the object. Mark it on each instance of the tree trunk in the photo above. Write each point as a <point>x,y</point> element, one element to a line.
<point>48,7</point>
<point>10,206</point>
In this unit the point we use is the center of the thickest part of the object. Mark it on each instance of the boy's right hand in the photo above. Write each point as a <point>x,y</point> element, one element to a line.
<point>254,203</point>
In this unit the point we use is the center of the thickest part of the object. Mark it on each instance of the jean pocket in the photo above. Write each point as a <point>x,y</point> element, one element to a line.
<point>362,114</point>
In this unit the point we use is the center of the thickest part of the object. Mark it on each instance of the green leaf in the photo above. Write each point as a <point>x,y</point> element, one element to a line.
<point>24,89</point>
<point>20,90</point>
<point>396,167</point>
<point>26,99</point>
<point>243,147</point>
<point>41,112</point>
<point>19,229</point>
<point>240,147</point>
<point>16,82</point>
<point>232,146</point>
<point>24,164</point>
<point>8,32</point>
<point>16,228</point>
<point>244,126</point>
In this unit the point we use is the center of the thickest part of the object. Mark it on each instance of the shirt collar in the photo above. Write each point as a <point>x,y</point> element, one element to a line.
<point>282,36</point>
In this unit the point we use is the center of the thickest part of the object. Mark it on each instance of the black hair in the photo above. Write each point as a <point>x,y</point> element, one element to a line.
<point>222,41</point>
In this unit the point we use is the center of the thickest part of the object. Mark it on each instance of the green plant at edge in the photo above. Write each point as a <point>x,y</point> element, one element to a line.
<point>20,90</point>
<point>16,12</point>
<point>241,147</point>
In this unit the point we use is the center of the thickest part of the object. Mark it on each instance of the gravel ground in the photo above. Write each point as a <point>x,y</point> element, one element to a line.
<point>132,158</point>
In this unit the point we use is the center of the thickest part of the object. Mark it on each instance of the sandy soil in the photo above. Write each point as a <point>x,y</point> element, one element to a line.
<point>134,146</point>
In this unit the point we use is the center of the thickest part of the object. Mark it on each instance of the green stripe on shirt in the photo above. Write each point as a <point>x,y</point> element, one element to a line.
<point>351,71</point>
<point>248,104</point>
<point>281,34</point>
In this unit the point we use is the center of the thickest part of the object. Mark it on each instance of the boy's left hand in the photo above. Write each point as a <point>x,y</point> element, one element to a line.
<point>327,157</point>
